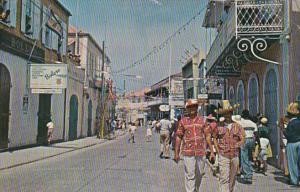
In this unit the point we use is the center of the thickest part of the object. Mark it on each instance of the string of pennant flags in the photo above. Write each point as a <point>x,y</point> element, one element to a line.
<point>163,44</point>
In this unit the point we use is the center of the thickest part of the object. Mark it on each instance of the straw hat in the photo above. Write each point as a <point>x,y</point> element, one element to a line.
<point>227,107</point>
<point>264,120</point>
<point>293,108</point>
<point>191,102</point>
<point>236,118</point>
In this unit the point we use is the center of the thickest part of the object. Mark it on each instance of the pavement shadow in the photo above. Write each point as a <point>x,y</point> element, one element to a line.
<point>283,179</point>
<point>63,147</point>
<point>279,173</point>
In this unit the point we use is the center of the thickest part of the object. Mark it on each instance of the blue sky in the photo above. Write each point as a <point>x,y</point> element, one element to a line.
<point>134,27</point>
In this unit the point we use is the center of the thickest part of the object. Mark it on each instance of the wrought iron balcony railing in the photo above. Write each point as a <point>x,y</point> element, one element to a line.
<point>247,20</point>
<point>259,17</point>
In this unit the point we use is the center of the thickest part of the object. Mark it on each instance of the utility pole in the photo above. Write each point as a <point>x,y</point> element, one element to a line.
<point>101,100</point>
<point>124,87</point>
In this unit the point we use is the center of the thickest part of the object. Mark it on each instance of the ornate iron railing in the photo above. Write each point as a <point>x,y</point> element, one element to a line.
<point>263,17</point>
<point>252,23</point>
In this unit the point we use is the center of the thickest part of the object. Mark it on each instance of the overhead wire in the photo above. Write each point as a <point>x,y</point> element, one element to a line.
<point>162,45</point>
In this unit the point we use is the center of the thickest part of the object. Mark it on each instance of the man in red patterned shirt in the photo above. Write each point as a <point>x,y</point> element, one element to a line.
<point>228,139</point>
<point>195,136</point>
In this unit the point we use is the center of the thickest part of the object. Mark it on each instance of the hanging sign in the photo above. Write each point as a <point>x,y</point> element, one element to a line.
<point>48,76</point>
<point>46,91</point>
<point>164,108</point>
<point>177,95</point>
<point>226,72</point>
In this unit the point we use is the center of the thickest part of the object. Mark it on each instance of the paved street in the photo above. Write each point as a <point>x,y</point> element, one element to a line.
<point>116,166</point>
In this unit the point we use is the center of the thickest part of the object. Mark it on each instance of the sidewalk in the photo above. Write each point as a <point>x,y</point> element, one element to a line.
<point>25,156</point>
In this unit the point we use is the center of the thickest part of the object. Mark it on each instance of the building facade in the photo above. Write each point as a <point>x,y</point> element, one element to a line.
<point>89,54</point>
<point>255,51</point>
<point>159,95</point>
<point>30,32</point>
<point>133,107</point>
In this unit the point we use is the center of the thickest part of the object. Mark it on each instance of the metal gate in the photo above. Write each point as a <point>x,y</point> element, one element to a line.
<point>271,104</point>
<point>73,118</point>
<point>90,118</point>
<point>253,97</point>
<point>5,82</point>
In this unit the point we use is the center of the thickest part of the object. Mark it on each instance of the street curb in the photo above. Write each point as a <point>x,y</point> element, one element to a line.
<point>48,157</point>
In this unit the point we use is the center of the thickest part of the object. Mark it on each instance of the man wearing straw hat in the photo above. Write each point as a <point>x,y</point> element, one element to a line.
<point>228,139</point>
<point>195,136</point>
<point>292,134</point>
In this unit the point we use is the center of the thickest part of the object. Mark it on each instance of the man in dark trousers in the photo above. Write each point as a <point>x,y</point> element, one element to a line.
<point>292,134</point>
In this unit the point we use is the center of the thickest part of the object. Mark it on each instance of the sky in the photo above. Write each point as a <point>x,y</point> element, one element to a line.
<point>131,28</point>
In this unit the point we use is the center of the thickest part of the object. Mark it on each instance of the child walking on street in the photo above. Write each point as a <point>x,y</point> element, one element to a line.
<point>132,129</point>
<point>149,132</point>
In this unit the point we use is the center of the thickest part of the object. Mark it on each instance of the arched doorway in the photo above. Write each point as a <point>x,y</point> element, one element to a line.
<point>90,118</point>
<point>253,102</point>
<point>240,96</point>
<point>271,107</point>
<point>73,118</point>
<point>5,82</point>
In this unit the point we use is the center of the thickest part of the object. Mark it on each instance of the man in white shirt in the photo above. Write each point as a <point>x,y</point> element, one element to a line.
<point>131,130</point>
<point>165,126</point>
<point>250,127</point>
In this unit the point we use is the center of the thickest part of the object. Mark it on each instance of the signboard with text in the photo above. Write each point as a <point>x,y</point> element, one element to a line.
<point>48,76</point>
<point>46,91</point>
<point>202,96</point>
<point>177,95</point>
<point>216,96</point>
<point>226,72</point>
<point>164,108</point>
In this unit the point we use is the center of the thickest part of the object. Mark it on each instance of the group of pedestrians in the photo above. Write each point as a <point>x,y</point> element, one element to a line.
<point>234,145</point>
<point>235,142</point>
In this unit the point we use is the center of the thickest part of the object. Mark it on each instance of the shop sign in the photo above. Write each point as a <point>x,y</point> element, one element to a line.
<point>46,91</point>
<point>215,96</point>
<point>164,108</point>
<point>226,72</point>
<point>202,96</point>
<point>177,95</point>
<point>48,76</point>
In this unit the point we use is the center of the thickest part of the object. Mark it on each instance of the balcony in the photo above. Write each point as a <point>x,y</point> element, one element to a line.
<point>158,101</point>
<point>259,17</point>
<point>249,29</point>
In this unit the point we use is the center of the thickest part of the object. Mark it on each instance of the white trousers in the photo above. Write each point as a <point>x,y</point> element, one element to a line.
<point>193,169</point>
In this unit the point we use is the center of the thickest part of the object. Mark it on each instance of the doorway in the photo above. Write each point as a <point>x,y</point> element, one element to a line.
<point>5,83</point>
<point>90,118</point>
<point>73,119</point>
<point>44,116</point>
